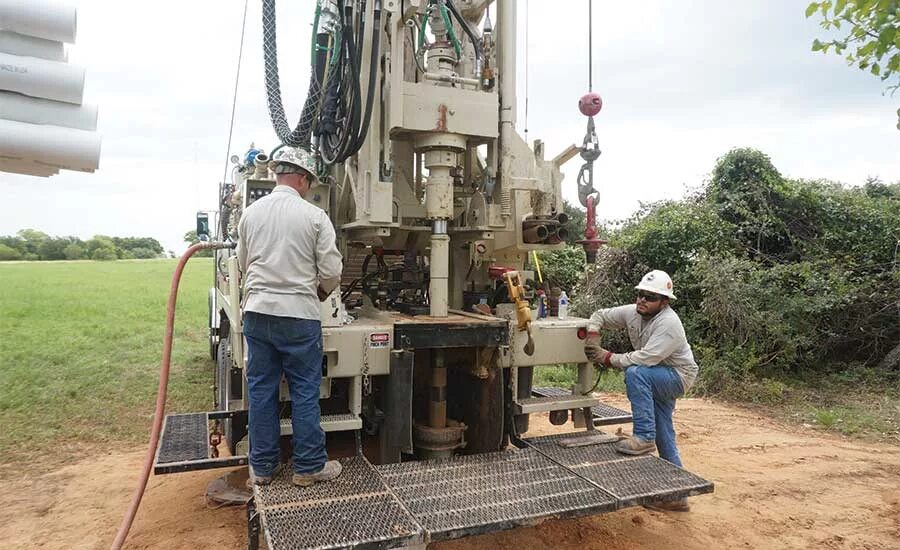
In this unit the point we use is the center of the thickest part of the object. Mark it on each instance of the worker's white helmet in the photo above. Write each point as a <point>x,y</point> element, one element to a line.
<point>657,282</point>
<point>297,157</point>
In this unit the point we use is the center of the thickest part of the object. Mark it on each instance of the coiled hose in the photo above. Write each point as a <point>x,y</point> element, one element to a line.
<point>159,413</point>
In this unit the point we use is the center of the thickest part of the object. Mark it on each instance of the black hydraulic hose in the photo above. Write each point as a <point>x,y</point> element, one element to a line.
<point>310,107</point>
<point>476,42</point>
<point>373,73</point>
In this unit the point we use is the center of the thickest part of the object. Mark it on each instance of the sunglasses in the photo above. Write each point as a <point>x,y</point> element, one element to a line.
<point>649,296</point>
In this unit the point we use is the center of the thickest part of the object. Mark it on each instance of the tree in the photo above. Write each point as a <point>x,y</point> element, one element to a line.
<point>32,240</point>
<point>74,252</point>
<point>104,253</point>
<point>143,253</point>
<point>191,238</point>
<point>872,41</point>
<point>8,253</point>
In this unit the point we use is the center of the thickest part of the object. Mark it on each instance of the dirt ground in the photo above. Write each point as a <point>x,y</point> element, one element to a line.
<point>777,486</point>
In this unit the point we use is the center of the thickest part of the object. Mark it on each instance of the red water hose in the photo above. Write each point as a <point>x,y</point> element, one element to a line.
<point>158,414</point>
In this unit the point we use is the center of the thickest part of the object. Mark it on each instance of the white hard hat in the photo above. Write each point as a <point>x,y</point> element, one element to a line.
<point>657,282</point>
<point>297,157</point>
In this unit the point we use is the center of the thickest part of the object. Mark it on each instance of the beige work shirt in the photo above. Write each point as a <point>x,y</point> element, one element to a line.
<point>659,340</point>
<point>286,249</point>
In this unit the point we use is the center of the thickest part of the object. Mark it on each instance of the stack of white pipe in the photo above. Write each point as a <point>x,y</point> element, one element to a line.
<point>44,124</point>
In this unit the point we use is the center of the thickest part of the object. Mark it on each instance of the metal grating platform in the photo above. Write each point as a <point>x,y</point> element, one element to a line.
<point>603,414</point>
<point>417,502</point>
<point>356,510</point>
<point>184,446</point>
<point>468,495</point>
<point>185,438</point>
<point>633,480</point>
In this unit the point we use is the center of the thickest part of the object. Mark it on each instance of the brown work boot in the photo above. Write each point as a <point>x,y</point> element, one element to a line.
<point>331,470</point>
<point>680,505</point>
<point>634,445</point>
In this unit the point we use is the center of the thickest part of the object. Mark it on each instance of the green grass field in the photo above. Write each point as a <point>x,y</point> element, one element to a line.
<point>80,349</point>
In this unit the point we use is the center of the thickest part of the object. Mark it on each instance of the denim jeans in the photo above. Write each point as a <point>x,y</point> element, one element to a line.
<point>291,347</point>
<point>652,392</point>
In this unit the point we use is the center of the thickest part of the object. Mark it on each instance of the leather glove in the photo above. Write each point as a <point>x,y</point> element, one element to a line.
<point>593,352</point>
<point>592,349</point>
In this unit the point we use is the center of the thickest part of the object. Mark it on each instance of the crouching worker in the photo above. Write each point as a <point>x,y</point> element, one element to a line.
<point>660,369</point>
<point>287,254</point>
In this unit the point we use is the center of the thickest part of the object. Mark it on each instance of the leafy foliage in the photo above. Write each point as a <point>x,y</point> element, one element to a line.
<point>872,42</point>
<point>30,244</point>
<point>773,276</point>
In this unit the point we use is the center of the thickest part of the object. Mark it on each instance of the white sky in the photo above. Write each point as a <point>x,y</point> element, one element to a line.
<point>682,83</point>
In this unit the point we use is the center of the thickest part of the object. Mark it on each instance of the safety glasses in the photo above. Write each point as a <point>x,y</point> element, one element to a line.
<point>648,296</point>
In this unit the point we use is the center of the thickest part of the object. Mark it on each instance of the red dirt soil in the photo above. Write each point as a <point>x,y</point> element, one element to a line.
<point>777,486</point>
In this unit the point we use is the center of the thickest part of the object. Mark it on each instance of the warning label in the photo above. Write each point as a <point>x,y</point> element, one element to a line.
<point>380,340</point>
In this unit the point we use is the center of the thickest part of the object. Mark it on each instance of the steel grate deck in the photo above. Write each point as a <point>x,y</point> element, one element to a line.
<point>633,480</point>
<point>475,494</point>
<point>603,414</point>
<point>417,502</point>
<point>184,438</point>
<point>355,510</point>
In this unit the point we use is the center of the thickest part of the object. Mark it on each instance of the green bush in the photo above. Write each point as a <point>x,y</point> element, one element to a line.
<point>774,277</point>
<point>104,253</point>
<point>7,253</point>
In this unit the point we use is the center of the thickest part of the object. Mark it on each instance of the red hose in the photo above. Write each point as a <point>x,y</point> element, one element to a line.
<point>158,415</point>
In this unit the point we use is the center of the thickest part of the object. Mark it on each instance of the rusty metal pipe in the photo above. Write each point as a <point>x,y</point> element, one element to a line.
<point>535,234</point>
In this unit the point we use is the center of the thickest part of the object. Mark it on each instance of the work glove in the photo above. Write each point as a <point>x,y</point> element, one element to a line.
<point>592,349</point>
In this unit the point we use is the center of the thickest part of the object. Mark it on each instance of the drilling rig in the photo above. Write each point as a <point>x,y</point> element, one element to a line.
<point>430,342</point>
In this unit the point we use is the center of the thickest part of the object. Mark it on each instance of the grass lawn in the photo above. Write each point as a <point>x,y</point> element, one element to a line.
<point>80,348</point>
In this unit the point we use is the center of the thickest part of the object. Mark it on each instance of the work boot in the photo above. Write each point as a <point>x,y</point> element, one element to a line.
<point>331,470</point>
<point>254,479</point>
<point>634,445</point>
<point>680,505</point>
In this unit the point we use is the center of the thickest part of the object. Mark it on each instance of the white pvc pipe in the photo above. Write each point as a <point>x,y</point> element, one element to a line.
<point>40,18</point>
<point>20,44</point>
<point>42,78</point>
<point>27,168</point>
<point>64,147</point>
<point>22,108</point>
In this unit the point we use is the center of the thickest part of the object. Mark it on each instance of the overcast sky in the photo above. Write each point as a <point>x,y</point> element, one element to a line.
<point>682,83</point>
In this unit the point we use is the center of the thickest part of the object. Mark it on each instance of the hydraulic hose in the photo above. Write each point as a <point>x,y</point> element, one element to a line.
<point>160,392</point>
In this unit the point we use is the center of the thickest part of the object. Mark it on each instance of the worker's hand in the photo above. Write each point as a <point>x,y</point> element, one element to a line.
<point>593,352</point>
<point>322,294</point>
<point>592,347</point>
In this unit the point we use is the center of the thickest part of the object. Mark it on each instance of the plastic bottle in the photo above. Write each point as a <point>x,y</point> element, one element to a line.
<point>563,305</point>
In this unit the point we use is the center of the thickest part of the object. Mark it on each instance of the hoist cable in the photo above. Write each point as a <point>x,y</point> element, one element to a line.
<point>237,78</point>
<point>527,19</point>
<point>590,46</point>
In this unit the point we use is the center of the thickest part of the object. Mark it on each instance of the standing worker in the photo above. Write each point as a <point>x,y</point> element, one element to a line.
<point>287,254</point>
<point>660,369</point>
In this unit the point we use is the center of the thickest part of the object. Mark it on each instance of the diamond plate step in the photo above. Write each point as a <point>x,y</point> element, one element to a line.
<point>603,414</point>
<point>356,510</point>
<point>330,423</point>
<point>474,494</point>
<point>633,480</point>
<point>554,403</point>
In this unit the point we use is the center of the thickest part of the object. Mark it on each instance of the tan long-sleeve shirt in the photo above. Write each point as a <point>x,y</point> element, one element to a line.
<point>286,249</point>
<point>659,340</point>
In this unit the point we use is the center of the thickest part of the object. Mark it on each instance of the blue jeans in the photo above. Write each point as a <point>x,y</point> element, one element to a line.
<point>291,347</point>
<point>652,392</point>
